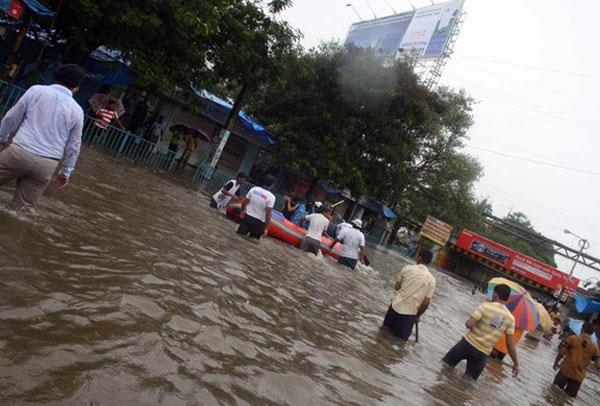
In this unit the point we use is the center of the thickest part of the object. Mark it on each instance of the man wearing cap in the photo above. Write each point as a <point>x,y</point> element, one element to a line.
<point>415,286</point>
<point>48,124</point>
<point>354,244</point>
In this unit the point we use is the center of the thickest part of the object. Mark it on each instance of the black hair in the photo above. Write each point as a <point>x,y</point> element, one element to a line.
<point>587,328</point>
<point>503,291</point>
<point>270,180</point>
<point>242,175</point>
<point>425,255</point>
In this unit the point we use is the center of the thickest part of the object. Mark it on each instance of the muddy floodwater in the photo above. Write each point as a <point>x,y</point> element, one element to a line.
<point>126,289</point>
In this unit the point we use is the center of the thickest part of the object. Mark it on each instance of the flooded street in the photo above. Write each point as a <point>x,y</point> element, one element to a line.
<point>126,289</point>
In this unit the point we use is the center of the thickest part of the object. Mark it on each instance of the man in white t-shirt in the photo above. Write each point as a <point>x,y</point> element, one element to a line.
<point>256,210</point>
<point>415,286</point>
<point>354,244</point>
<point>318,224</point>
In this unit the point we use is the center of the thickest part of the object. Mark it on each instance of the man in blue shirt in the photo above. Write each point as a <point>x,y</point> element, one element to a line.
<point>48,124</point>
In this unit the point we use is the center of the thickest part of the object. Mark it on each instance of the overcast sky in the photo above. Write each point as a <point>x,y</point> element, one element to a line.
<point>534,69</point>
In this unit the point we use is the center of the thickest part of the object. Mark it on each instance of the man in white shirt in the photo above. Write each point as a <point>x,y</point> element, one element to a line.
<point>318,224</point>
<point>415,286</point>
<point>353,249</point>
<point>256,210</point>
<point>48,124</point>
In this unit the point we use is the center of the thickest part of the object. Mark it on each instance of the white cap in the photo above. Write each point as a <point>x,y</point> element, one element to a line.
<point>357,223</point>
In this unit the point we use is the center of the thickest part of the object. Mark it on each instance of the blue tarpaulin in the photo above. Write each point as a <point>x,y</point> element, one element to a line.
<point>328,188</point>
<point>575,326</point>
<point>246,121</point>
<point>586,304</point>
<point>106,67</point>
<point>385,210</point>
<point>33,5</point>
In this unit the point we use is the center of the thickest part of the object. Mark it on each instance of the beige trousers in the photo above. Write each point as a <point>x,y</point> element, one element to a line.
<point>32,173</point>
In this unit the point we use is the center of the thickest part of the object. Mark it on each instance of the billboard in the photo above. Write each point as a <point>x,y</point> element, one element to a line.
<point>382,34</point>
<point>423,32</point>
<point>516,262</point>
<point>436,230</point>
<point>430,29</point>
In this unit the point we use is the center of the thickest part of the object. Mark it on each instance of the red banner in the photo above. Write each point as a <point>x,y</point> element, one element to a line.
<point>15,9</point>
<point>516,262</point>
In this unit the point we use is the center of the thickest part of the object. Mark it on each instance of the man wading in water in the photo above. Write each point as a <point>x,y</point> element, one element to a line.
<point>486,326</point>
<point>415,286</point>
<point>256,210</point>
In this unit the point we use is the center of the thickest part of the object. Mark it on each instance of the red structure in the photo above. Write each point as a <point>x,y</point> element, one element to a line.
<point>515,262</point>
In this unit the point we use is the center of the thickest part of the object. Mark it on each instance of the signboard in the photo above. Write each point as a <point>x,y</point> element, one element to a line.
<point>436,230</point>
<point>423,32</point>
<point>516,262</point>
<point>430,29</point>
<point>382,34</point>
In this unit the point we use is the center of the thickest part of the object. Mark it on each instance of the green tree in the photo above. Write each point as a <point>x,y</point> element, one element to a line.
<point>172,43</point>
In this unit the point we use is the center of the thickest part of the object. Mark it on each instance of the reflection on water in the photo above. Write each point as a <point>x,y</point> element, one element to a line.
<point>126,289</point>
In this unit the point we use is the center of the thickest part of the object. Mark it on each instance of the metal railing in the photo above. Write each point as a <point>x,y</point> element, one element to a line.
<point>119,143</point>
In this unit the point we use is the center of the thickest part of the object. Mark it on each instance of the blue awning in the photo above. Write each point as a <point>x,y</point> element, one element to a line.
<point>385,210</point>
<point>243,118</point>
<point>105,66</point>
<point>33,5</point>
<point>328,188</point>
<point>585,304</point>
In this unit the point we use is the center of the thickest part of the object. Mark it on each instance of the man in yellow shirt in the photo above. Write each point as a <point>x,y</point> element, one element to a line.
<point>486,326</point>
<point>578,351</point>
<point>415,286</point>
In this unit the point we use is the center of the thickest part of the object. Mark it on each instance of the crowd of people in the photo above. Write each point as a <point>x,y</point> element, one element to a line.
<point>48,124</point>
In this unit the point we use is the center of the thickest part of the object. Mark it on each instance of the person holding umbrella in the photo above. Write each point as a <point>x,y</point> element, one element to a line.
<point>486,326</point>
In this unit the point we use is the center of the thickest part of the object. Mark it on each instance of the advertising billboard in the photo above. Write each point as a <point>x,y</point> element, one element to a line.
<point>430,29</point>
<point>382,34</point>
<point>436,230</point>
<point>516,262</point>
<point>423,32</point>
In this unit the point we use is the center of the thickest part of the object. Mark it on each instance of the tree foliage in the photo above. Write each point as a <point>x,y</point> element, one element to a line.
<point>172,43</point>
<point>368,125</point>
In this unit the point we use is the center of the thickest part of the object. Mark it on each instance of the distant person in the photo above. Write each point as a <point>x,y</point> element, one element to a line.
<point>318,224</point>
<point>290,205</point>
<point>157,128</point>
<point>415,286</point>
<point>302,210</point>
<point>577,352</point>
<point>353,249</point>
<point>256,210</point>
<point>104,117</point>
<point>486,326</point>
<point>48,124</point>
<point>139,115</point>
<point>336,220</point>
<point>174,142</point>
<point>190,146</point>
<point>227,192</point>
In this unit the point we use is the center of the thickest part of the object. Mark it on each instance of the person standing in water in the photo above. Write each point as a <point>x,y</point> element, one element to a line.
<point>256,210</point>
<point>229,191</point>
<point>415,286</point>
<point>48,124</point>
<point>486,326</point>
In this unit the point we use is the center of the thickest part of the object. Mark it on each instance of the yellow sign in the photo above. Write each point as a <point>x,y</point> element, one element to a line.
<point>436,230</point>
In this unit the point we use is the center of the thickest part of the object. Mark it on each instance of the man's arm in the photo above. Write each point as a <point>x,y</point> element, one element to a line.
<point>71,154</point>
<point>13,118</point>
<point>423,307</point>
<point>471,322</point>
<point>562,352</point>
<point>361,254</point>
<point>244,204</point>
<point>267,221</point>
<point>512,351</point>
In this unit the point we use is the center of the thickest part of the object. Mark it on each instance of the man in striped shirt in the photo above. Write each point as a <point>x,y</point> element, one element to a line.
<point>104,117</point>
<point>486,326</point>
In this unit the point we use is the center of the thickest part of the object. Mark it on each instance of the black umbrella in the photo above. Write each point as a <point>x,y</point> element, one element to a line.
<point>180,128</point>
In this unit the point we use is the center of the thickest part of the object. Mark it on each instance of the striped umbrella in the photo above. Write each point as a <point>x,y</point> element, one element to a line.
<point>520,303</point>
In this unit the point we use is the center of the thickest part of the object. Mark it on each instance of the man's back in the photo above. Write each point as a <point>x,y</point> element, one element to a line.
<point>581,350</point>
<point>351,239</point>
<point>260,199</point>
<point>493,320</point>
<point>318,224</point>
<point>417,283</point>
<point>51,117</point>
